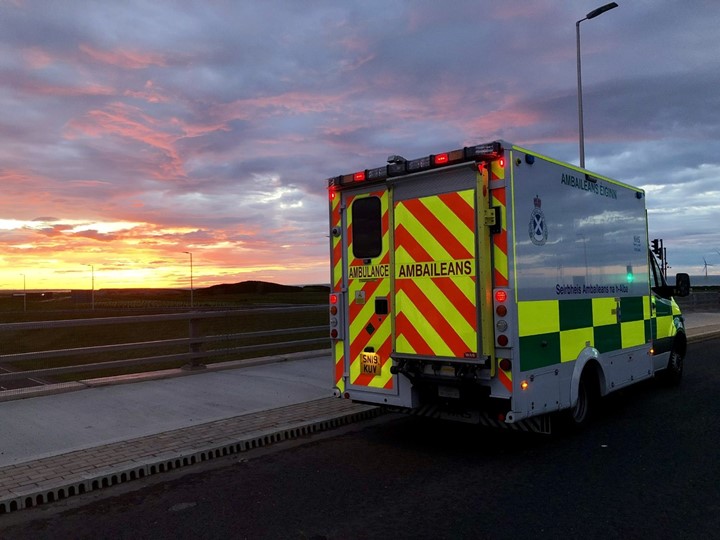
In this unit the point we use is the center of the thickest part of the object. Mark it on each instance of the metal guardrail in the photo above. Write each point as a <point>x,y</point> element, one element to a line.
<point>195,355</point>
<point>700,301</point>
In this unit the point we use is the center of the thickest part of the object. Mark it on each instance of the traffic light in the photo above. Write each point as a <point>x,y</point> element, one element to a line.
<point>656,247</point>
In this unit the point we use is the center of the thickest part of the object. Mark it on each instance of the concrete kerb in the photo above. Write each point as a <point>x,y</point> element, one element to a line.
<point>703,333</point>
<point>55,488</point>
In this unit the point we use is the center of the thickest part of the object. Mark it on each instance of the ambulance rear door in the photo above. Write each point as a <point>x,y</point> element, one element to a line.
<point>436,218</point>
<point>368,343</point>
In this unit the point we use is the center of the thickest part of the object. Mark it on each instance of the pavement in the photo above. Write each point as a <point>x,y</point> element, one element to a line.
<point>65,440</point>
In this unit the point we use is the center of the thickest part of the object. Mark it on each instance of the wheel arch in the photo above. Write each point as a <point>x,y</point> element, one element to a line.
<point>679,343</point>
<point>588,363</point>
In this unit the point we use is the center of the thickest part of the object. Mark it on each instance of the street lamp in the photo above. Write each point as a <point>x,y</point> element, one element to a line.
<point>24,294</point>
<point>92,287</point>
<point>594,13</point>
<point>581,235</point>
<point>192,303</point>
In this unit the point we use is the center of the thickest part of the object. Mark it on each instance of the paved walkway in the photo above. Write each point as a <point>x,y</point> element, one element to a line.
<point>56,446</point>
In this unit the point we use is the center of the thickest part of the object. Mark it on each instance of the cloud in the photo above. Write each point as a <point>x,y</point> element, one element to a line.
<point>213,127</point>
<point>123,58</point>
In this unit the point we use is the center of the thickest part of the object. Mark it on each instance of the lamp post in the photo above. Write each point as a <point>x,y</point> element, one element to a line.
<point>192,303</point>
<point>581,235</point>
<point>24,294</point>
<point>594,13</point>
<point>92,286</point>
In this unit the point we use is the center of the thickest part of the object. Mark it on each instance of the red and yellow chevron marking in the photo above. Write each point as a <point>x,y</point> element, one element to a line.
<point>500,242</point>
<point>367,330</point>
<point>336,285</point>
<point>336,278</point>
<point>336,254</point>
<point>339,356</point>
<point>497,169</point>
<point>436,310</point>
<point>505,378</point>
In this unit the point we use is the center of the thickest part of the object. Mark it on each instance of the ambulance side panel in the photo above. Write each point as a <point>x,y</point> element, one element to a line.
<point>579,273</point>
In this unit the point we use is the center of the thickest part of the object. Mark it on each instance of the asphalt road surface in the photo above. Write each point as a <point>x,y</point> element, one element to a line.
<point>648,467</point>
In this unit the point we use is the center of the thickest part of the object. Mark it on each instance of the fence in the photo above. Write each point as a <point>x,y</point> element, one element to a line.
<point>700,301</point>
<point>37,353</point>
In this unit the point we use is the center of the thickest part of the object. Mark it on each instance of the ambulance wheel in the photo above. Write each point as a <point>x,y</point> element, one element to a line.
<point>672,374</point>
<point>588,396</point>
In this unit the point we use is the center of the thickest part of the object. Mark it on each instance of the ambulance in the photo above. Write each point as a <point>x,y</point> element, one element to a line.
<point>494,285</point>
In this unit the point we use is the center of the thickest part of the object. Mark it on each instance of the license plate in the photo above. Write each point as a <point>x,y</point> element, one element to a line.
<point>370,364</point>
<point>449,392</point>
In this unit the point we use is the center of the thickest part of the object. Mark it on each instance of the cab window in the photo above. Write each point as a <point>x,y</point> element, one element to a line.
<point>366,228</point>
<point>657,276</point>
<point>657,281</point>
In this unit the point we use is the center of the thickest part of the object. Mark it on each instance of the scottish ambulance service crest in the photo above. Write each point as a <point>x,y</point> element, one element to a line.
<point>538,227</point>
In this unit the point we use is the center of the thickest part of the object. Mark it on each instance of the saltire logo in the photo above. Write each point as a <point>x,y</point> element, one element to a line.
<point>537,227</point>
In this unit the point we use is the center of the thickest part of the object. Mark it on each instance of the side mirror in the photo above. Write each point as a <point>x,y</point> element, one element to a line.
<point>682,285</point>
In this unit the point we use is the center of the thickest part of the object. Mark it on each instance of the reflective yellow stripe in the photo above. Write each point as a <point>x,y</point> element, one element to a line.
<point>574,341</point>
<point>633,334</point>
<point>540,317</point>
<point>604,311</point>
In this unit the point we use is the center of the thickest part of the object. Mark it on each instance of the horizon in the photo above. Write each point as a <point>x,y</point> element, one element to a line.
<point>184,289</point>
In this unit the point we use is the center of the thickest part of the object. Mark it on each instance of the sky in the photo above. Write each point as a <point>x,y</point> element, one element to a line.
<point>136,133</point>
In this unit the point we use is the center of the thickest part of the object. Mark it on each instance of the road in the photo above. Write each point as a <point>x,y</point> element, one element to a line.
<point>646,468</point>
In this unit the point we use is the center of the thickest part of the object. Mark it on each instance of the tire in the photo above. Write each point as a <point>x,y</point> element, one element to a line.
<point>583,410</point>
<point>580,415</point>
<point>672,374</point>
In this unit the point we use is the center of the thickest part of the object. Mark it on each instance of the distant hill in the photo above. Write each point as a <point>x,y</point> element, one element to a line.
<point>258,287</point>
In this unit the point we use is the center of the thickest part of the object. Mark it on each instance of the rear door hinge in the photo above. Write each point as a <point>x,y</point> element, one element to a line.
<point>493,220</point>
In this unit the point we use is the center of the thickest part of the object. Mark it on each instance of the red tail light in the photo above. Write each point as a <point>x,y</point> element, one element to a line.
<point>441,159</point>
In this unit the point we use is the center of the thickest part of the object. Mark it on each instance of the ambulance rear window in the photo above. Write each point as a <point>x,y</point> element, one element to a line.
<point>366,228</point>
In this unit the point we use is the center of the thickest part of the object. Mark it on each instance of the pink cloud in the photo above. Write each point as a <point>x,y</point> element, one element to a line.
<point>150,93</point>
<point>292,102</point>
<point>131,123</point>
<point>36,58</point>
<point>123,58</point>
